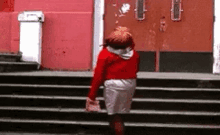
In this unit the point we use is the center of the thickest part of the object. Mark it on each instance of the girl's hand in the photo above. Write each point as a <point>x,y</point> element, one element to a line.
<point>92,106</point>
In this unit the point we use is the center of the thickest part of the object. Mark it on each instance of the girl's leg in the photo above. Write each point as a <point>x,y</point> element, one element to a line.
<point>117,124</point>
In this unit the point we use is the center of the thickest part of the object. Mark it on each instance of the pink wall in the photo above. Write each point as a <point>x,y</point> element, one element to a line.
<point>5,26</point>
<point>6,5</point>
<point>67,32</point>
<point>15,28</point>
<point>67,41</point>
<point>55,5</point>
<point>6,8</point>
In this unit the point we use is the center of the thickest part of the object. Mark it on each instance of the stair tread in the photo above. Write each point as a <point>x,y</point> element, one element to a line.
<point>141,75</point>
<point>82,110</point>
<point>44,85</point>
<point>101,123</point>
<point>18,63</point>
<point>10,53</point>
<point>137,88</point>
<point>102,99</point>
<point>25,133</point>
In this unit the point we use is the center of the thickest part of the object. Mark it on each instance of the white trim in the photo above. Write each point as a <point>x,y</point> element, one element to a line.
<point>101,123</point>
<point>216,46</point>
<point>98,29</point>
<point>149,100</point>
<point>132,112</point>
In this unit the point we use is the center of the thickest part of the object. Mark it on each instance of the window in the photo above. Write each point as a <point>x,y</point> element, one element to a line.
<point>176,10</point>
<point>140,9</point>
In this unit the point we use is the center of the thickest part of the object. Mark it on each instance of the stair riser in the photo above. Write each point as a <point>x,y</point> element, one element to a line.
<point>135,104</point>
<point>87,80</point>
<point>10,58</point>
<point>84,116</point>
<point>162,94</point>
<point>214,95</point>
<point>178,83</point>
<point>54,80</point>
<point>7,90</point>
<point>17,68</point>
<point>101,130</point>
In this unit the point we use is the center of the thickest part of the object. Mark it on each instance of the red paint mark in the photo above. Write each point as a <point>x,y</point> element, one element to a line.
<point>157,61</point>
<point>7,5</point>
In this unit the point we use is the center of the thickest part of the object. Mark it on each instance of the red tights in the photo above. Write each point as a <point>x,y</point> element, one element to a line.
<point>117,124</point>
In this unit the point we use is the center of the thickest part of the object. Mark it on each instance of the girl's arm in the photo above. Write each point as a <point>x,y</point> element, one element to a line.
<point>98,78</point>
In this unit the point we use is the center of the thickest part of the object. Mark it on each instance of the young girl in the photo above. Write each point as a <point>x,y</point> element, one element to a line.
<point>117,68</point>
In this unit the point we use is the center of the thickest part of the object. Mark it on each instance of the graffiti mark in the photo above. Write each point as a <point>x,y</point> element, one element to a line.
<point>165,45</point>
<point>124,9</point>
<point>121,12</point>
<point>151,38</point>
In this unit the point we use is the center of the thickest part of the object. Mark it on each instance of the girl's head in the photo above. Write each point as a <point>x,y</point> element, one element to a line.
<point>120,38</point>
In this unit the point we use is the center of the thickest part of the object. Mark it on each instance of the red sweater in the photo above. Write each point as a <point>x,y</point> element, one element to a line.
<point>112,66</point>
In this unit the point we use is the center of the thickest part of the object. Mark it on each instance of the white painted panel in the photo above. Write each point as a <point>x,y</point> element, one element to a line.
<point>30,41</point>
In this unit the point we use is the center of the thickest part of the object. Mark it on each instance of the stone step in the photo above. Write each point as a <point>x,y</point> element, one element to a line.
<point>10,57</point>
<point>49,102</point>
<point>17,66</point>
<point>84,78</point>
<point>46,80</point>
<point>138,103</point>
<point>28,133</point>
<point>79,90</point>
<point>101,128</point>
<point>135,116</point>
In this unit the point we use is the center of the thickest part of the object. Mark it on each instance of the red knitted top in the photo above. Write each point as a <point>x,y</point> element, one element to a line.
<point>112,66</point>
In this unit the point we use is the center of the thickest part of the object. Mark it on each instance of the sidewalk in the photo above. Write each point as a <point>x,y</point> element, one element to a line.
<point>14,133</point>
<point>153,75</point>
<point>17,133</point>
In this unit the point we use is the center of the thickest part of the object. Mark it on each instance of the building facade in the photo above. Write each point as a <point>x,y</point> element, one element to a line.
<point>170,35</point>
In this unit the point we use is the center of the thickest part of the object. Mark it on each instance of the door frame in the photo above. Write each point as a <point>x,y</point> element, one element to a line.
<point>216,40</point>
<point>98,29</point>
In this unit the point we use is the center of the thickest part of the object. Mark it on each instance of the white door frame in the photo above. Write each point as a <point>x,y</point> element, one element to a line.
<point>98,26</point>
<point>216,46</point>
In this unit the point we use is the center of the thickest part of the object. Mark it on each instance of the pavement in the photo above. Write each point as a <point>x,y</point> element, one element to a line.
<point>20,133</point>
<point>153,75</point>
<point>16,133</point>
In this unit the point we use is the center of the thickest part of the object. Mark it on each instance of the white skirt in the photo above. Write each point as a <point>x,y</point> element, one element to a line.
<point>118,95</point>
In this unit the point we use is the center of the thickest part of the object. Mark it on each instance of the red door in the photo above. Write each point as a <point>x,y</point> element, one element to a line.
<point>163,25</point>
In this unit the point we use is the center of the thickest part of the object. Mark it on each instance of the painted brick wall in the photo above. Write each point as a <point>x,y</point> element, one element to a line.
<point>6,5</point>
<point>6,8</point>
<point>5,33</point>
<point>67,32</point>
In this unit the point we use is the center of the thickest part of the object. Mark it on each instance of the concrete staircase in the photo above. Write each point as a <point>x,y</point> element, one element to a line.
<point>52,103</point>
<point>10,62</point>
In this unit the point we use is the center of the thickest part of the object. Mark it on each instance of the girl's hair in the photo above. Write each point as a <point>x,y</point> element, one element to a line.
<point>120,28</point>
<point>120,38</point>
